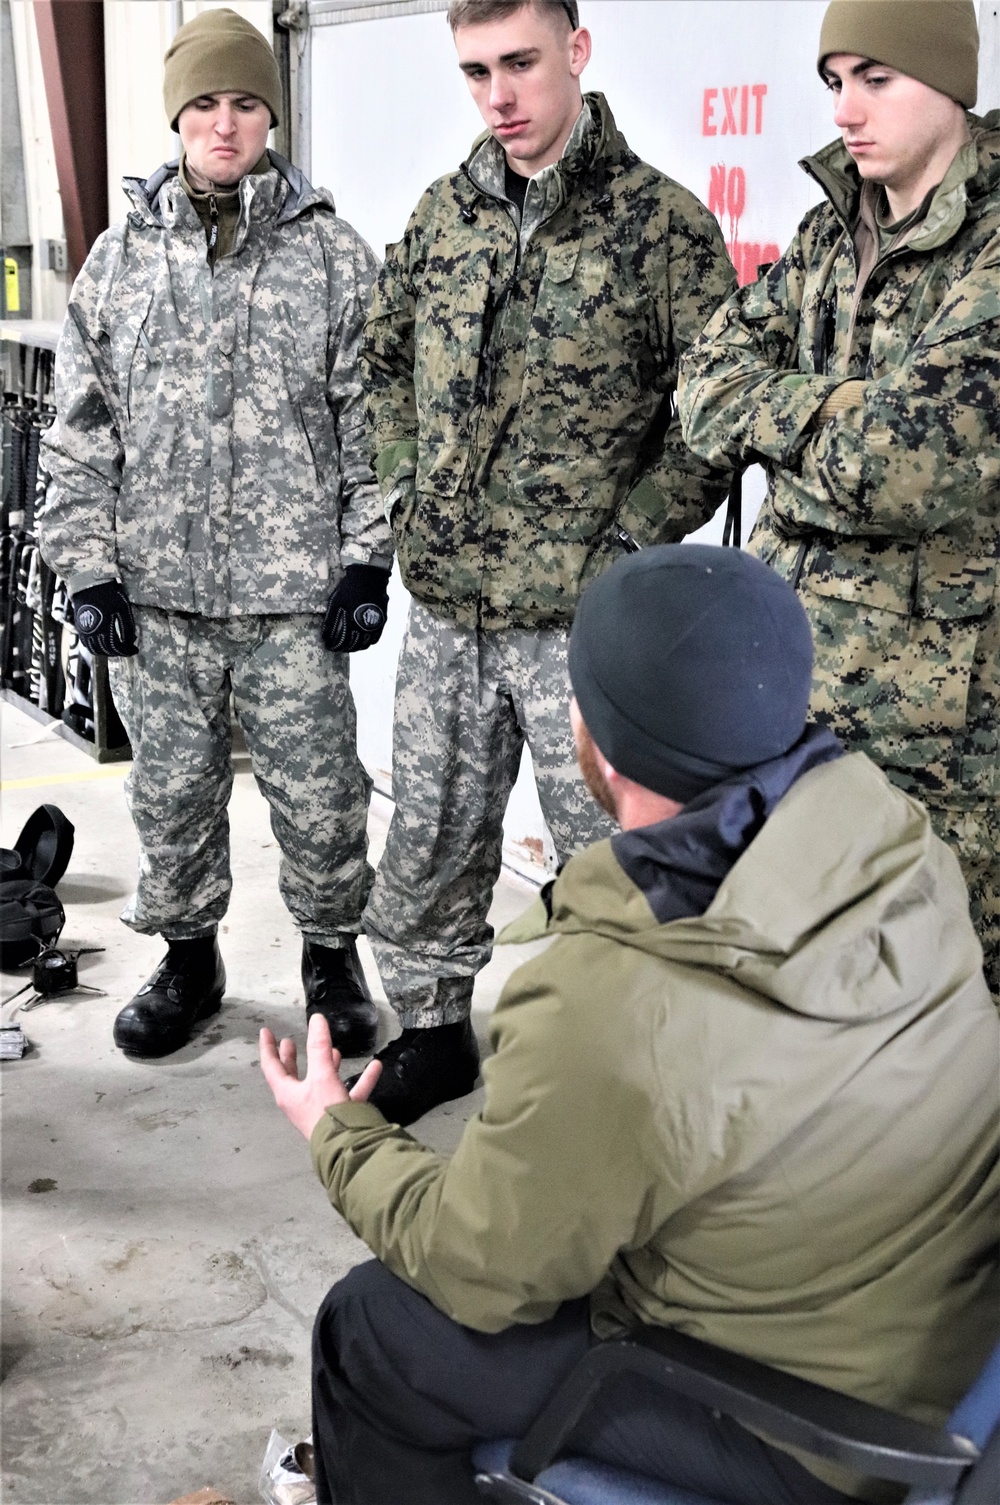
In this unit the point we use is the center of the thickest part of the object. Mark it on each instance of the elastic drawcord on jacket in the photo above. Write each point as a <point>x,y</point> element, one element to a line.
<point>603,198</point>
<point>915,578</point>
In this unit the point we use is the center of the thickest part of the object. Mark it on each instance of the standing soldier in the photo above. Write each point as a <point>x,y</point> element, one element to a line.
<point>520,363</point>
<point>211,497</point>
<point>863,371</point>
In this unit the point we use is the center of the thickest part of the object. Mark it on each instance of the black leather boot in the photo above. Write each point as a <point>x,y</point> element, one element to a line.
<point>334,983</point>
<point>186,987</point>
<point>424,1067</point>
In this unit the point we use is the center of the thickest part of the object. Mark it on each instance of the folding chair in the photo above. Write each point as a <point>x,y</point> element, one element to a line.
<point>957,1466</point>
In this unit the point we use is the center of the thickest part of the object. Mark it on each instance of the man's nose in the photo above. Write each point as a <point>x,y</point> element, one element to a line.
<point>501,93</point>
<point>848,109</point>
<point>225,121</point>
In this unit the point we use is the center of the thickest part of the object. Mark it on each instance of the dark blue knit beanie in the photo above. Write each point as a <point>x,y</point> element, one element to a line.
<point>690,663</point>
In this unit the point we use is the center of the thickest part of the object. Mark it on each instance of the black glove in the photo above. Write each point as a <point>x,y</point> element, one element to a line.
<point>357,609</point>
<point>104,621</point>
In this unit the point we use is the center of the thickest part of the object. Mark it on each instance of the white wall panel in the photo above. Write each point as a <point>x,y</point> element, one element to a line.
<point>139,138</point>
<point>49,290</point>
<point>989,57</point>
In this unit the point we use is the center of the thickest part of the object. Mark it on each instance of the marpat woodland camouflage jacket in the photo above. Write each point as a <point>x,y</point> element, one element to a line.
<point>514,370</point>
<point>888,515</point>
<point>210,447</point>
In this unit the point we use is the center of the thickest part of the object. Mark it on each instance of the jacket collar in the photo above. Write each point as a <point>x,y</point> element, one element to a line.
<point>487,161</point>
<point>595,143</point>
<point>680,863</point>
<point>284,192</point>
<point>971,180</point>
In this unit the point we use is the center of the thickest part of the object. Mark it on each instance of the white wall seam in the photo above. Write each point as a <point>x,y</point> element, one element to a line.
<point>340,12</point>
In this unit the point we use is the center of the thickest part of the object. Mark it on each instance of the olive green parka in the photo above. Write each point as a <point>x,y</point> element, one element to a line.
<point>773,1126</point>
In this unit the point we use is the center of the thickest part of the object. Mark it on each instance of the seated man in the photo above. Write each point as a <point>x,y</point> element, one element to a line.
<point>749,1091</point>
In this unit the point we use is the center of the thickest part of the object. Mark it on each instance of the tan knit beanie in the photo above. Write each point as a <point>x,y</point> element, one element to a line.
<point>219,51</point>
<point>935,41</point>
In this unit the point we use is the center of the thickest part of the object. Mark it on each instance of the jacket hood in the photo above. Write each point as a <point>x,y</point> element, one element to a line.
<point>299,194</point>
<point>602,142</point>
<point>840,908</point>
<point>972,181</point>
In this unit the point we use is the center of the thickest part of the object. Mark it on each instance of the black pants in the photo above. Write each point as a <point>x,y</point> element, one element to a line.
<point>402,1394</point>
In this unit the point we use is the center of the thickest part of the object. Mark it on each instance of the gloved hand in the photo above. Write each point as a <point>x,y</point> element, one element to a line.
<point>357,609</point>
<point>104,621</point>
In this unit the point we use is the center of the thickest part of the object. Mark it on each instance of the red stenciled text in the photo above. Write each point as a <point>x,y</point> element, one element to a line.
<point>738,111</point>
<point>727,199</point>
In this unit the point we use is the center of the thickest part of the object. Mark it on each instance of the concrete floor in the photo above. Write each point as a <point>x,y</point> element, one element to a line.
<point>165,1242</point>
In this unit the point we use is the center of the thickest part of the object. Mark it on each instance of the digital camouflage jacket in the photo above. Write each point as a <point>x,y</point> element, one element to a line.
<point>888,515</point>
<point>210,447</point>
<point>513,371</point>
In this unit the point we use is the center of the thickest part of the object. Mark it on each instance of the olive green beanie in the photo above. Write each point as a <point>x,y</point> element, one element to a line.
<point>934,41</point>
<point>219,51</point>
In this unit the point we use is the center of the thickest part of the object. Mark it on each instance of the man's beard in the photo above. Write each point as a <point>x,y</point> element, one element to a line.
<point>586,753</point>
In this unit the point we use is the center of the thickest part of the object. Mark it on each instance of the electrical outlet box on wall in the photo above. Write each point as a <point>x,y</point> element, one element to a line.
<point>53,256</point>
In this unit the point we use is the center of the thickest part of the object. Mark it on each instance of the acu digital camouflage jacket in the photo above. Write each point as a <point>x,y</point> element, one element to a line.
<point>210,447</point>
<point>887,516</point>
<point>513,371</point>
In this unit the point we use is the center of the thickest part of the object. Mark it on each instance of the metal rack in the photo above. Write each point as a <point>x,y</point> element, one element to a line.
<point>44,670</point>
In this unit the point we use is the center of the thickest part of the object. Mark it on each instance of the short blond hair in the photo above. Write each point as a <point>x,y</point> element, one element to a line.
<point>478,12</point>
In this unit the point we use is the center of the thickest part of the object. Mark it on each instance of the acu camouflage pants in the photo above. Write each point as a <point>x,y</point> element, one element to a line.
<point>294,705</point>
<point>466,703</point>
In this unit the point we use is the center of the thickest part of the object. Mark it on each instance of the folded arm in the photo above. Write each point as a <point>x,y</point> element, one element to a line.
<point>902,455</point>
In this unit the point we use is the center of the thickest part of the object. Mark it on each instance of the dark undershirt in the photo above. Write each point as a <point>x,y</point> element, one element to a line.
<point>515,186</point>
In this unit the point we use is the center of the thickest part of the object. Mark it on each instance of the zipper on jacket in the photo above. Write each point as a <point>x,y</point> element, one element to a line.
<point>468,214</point>
<point>882,259</point>
<point>213,239</point>
<point>496,301</point>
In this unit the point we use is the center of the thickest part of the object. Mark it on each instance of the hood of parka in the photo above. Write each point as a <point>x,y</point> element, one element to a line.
<point>968,190</point>
<point>291,188</point>
<point>841,908</point>
<point>600,142</point>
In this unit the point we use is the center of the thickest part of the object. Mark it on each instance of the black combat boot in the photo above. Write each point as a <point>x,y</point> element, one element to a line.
<point>424,1067</point>
<point>186,987</point>
<point>334,984</point>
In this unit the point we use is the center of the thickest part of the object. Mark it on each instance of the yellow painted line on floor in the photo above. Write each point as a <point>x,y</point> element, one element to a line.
<point>105,771</point>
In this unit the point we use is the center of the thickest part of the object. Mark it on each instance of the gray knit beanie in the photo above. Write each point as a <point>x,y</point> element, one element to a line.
<point>690,663</point>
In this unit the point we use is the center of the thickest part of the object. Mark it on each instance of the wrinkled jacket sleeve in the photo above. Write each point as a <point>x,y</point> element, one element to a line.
<point>388,357</point>
<point>546,1186</point>
<point>678,491</point>
<point>364,532</point>
<point>82,451</point>
<point>920,449</point>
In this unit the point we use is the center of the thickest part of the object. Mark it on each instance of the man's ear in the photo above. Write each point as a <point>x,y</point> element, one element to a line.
<point>611,774</point>
<point>580,50</point>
